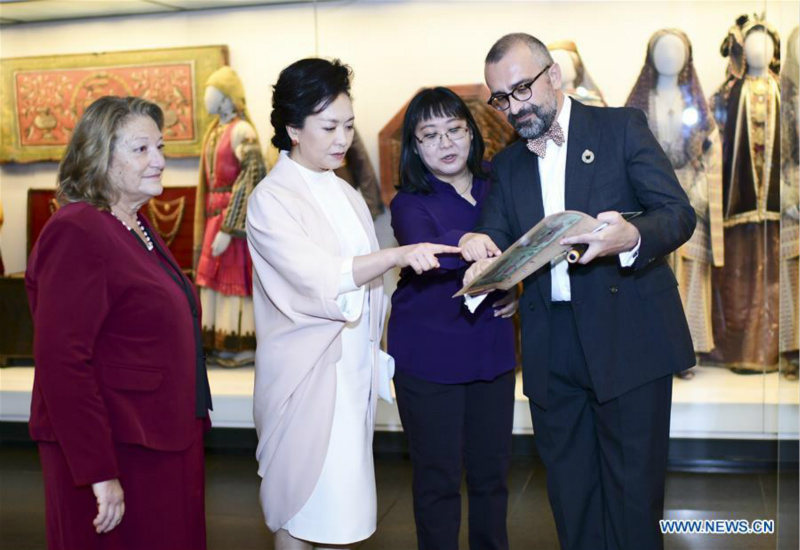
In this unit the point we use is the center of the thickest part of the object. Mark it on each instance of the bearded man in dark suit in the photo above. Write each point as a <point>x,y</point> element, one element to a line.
<point>601,338</point>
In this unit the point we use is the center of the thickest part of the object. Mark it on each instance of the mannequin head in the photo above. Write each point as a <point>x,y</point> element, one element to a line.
<point>569,68</point>
<point>225,93</point>
<point>753,46</point>
<point>669,55</point>
<point>669,70</point>
<point>758,51</point>
<point>217,103</point>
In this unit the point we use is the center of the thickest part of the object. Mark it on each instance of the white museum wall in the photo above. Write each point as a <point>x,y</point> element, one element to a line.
<point>261,42</point>
<point>394,47</point>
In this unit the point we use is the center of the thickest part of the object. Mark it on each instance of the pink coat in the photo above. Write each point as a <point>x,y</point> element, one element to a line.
<point>297,266</point>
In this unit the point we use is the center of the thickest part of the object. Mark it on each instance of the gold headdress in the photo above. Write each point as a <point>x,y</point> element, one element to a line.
<point>227,81</point>
<point>733,45</point>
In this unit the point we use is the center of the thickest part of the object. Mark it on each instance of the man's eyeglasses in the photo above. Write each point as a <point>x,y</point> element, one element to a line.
<point>523,92</point>
<point>434,139</point>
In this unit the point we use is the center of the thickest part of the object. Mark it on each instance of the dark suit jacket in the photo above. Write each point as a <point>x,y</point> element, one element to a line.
<point>630,321</point>
<point>114,344</point>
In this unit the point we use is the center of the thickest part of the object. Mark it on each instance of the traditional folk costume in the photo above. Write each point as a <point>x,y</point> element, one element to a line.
<point>226,181</point>
<point>790,209</point>
<point>689,136</point>
<point>585,90</point>
<point>746,289</point>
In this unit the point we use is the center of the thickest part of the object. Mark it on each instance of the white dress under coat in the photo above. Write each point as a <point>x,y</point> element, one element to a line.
<point>316,361</point>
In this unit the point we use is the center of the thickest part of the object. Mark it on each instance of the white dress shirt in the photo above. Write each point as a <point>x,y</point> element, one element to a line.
<point>552,174</point>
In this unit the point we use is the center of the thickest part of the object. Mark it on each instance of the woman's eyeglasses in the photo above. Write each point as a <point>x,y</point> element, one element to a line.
<point>434,139</point>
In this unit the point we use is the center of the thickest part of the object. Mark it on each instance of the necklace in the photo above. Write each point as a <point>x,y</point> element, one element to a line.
<point>673,104</point>
<point>147,241</point>
<point>669,129</point>
<point>467,188</point>
<point>159,214</point>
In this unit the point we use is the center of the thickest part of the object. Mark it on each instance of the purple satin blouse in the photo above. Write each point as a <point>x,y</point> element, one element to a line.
<point>432,335</point>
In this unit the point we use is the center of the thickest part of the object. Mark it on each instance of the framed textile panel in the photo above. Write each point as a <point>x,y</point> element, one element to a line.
<point>171,215</point>
<point>495,129</point>
<point>42,98</point>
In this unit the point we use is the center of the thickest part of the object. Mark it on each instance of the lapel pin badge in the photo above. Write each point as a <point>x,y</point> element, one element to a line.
<point>587,157</point>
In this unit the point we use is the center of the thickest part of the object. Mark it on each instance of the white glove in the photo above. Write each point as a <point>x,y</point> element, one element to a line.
<point>220,244</point>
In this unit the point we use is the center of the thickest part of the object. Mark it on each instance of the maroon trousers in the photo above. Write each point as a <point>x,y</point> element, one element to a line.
<point>164,501</point>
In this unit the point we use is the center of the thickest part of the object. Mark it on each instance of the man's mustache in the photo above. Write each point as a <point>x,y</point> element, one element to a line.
<point>527,110</point>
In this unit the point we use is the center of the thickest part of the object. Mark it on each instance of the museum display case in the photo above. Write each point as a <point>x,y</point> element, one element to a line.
<point>729,125</point>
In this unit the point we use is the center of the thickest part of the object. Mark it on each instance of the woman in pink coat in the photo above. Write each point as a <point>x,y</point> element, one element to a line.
<point>319,308</point>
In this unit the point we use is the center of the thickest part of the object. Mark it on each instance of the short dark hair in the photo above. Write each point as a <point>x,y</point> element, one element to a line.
<point>504,44</point>
<point>427,104</point>
<point>83,171</point>
<point>305,88</point>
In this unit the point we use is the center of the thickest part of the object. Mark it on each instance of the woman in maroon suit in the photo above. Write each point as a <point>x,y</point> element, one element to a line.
<point>120,394</point>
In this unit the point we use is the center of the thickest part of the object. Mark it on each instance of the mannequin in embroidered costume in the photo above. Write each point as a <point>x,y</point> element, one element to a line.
<point>790,206</point>
<point>746,107</point>
<point>575,79</point>
<point>669,93</point>
<point>230,167</point>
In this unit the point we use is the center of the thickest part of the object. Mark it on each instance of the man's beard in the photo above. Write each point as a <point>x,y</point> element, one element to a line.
<point>536,126</point>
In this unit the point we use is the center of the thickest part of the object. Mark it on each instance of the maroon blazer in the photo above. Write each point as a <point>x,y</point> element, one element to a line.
<point>115,343</point>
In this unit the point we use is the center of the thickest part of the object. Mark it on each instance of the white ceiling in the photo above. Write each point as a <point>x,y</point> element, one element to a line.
<point>18,12</point>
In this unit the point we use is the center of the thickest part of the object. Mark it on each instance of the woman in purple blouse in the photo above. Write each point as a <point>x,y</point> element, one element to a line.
<point>454,374</point>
